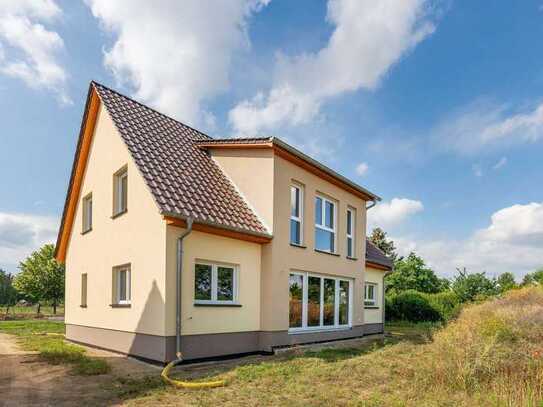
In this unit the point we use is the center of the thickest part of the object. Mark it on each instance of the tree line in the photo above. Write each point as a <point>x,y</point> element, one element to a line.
<point>415,292</point>
<point>40,281</point>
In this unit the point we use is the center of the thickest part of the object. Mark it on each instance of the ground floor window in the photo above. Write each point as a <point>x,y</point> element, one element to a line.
<point>215,283</point>
<point>122,284</point>
<point>370,294</point>
<point>319,302</point>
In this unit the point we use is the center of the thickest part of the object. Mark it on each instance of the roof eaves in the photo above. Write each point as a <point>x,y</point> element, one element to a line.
<point>324,168</point>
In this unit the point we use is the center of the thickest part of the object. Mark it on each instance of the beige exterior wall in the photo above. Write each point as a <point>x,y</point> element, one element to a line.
<point>213,319</point>
<point>137,237</point>
<point>252,172</point>
<point>375,315</point>
<point>280,257</point>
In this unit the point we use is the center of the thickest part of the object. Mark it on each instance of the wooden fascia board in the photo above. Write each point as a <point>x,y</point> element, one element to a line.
<point>377,266</point>
<point>319,173</point>
<point>214,230</point>
<point>78,171</point>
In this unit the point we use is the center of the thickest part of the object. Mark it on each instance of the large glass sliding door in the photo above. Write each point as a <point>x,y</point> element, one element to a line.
<point>318,302</point>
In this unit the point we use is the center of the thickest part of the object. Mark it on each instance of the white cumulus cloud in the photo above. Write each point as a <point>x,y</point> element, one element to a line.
<point>511,242</point>
<point>391,213</point>
<point>176,55</point>
<point>369,37</point>
<point>29,50</point>
<point>501,163</point>
<point>362,169</point>
<point>20,234</point>
<point>482,124</point>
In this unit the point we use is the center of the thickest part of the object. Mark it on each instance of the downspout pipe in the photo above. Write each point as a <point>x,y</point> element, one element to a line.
<point>179,274</point>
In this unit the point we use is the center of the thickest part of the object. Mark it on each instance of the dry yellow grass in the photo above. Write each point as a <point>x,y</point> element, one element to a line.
<point>492,355</point>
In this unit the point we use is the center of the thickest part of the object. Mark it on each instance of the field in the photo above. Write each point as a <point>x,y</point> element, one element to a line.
<point>492,355</point>
<point>20,312</point>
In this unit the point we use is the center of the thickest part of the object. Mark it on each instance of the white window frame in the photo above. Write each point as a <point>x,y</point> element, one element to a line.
<point>352,233</point>
<point>87,213</point>
<point>300,218</point>
<point>118,192</point>
<point>323,219</point>
<point>322,327</point>
<point>371,302</point>
<point>214,283</point>
<point>117,272</point>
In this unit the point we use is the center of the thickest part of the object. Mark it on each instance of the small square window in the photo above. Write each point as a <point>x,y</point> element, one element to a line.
<point>120,192</point>
<point>122,284</point>
<point>87,213</point>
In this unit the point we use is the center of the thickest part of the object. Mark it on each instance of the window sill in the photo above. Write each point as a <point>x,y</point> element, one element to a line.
<point>318,329</point>
<point>83,306</point>
<point>120,305</point>
<point>352,258</point>
<point>116,215</point>
<point>86,231</point>
<point>325,252</point>
<point>370,307</point>
<point>300,246</point>
<point>216,304</point>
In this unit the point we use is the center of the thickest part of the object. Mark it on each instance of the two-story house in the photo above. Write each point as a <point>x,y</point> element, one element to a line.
<point>273,253</point>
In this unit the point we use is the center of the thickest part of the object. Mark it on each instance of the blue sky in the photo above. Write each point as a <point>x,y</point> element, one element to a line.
<point>437,106</point>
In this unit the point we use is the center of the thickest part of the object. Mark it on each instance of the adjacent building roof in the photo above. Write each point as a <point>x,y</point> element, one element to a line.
<point>376,256</point>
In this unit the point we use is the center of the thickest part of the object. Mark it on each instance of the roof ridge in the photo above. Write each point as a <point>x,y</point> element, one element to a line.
<point>93,82</point>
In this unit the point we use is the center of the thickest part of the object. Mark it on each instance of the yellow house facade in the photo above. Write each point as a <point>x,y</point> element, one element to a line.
<point>273,249</point>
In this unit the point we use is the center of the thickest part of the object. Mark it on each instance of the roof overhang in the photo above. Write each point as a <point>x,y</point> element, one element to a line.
<point>377,266</point>
<point>289,153</point>
<point>220,230</point>
<point>84,142</point>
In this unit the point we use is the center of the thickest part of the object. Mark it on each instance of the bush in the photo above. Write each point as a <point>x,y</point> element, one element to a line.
<point>414,306</point>
<point>446,303</point>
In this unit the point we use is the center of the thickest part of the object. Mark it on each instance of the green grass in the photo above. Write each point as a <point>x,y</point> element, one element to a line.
<point>45,337</point>
<point>492,355</point>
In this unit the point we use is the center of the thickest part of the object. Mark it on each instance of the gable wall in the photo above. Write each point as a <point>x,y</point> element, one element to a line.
<point>137,237</point>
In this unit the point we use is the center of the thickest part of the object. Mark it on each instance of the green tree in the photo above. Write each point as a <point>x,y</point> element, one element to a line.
<point>379,238</point>
<point>533,278</point>
<point>468,286</point>
<point>42,278</point>
<point>411,273</point>
<point>8,293</point>
<point>505,282</point>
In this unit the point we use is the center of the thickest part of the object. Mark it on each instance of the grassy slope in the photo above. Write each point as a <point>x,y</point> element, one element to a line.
<point>492,355</point>
<point>46,338</point>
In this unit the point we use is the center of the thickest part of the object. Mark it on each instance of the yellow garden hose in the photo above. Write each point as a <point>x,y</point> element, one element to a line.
<point>188,385</point>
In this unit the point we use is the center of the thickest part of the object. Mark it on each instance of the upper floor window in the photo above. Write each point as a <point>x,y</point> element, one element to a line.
<point>325,225</point>
<point>351,223</point>
<point>215,283</point>
<point>296,214</point>
<point>87,213</point>
<point>370,294</point>
<point>120,191</point>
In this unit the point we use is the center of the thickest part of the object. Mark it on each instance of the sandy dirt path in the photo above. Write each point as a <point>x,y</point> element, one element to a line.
<point>27,381</point>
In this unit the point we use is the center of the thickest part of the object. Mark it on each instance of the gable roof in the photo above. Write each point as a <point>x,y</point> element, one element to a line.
<point>375,256</point>
<point>290,153</point>
<point>182,178</point>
